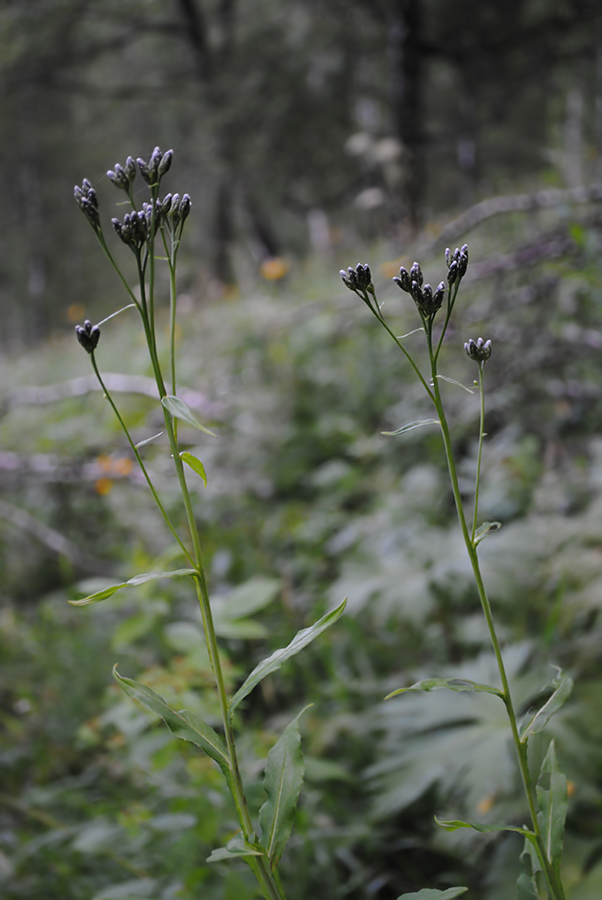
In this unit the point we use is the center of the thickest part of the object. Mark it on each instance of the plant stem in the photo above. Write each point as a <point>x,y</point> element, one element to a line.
<point>554,886</point>
<point>479,452</point>
<point>136,453</point>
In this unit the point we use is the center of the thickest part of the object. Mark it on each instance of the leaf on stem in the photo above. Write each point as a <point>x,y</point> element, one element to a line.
<point>455,824</point>
<point>185,724</point>
<point>485,530</point>
<point>562,685</point>
<point>552,800</point>
<point>526,886</point>
<point>235,848</point>
<point>278,657</point>
<point>133,582</point>
<point>457,383</point>
<point>284,773</point>
<point>147,440</point>
<point>195,464</point>
<point>180,410</point>
<point>452,684</point>
<point>411,426</point>
<point>429,894</point>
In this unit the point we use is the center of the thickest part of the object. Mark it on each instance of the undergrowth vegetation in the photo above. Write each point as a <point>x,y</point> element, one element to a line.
<point>307,502</point>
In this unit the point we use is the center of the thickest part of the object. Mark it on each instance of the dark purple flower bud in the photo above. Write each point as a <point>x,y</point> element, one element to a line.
<point>479,350</point>
<point>416,273</point>
<point>404,281</point>
<point>452,273</point>
<point>88,336</point>
<point>165,163</point>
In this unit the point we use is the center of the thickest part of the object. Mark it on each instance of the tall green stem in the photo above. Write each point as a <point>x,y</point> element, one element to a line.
<point>554,886</point>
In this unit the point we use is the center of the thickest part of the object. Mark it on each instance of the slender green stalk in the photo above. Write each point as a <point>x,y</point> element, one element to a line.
<point>139,460</point>
<point>554,885</point>
<point>475,517</point>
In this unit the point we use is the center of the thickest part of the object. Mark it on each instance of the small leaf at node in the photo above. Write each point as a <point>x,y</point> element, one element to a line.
<point>428,894</point>
<point>180,410</point>
<point>452,684</point>
<point>411,426</point>
<point>485,530</point>
<point>134,582</point>
<point>455,824</point>
<point>147,440</point>
<point>563,685</point>
<point>236,847</point>
<point>195,464</point>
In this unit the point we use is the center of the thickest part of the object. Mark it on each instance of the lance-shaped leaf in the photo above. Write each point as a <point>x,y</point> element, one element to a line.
<point>485,530</point>
<point>562,686</point>
<point>282,782</point>
<point>430,894</point>
<point>411,426</point>
<point>453,381</point>
<point>455,824</point>
<point>279,657</point>
<point>185,724</point>
<point>180,410</point>
<point>133,582</point>
<point>195,464</point>
<point>552,800</point>
<point>452,684</point>
<point>236,847</point>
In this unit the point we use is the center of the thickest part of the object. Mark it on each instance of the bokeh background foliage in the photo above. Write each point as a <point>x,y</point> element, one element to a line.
<point>306,133</point>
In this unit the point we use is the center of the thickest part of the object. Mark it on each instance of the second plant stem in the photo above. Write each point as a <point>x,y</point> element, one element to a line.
<point>554,886</point>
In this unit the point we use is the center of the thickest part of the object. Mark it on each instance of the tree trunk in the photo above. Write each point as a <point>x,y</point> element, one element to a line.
<point>406,55</point>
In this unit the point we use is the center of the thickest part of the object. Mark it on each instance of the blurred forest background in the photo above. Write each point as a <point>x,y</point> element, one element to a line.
<point>310,135</point>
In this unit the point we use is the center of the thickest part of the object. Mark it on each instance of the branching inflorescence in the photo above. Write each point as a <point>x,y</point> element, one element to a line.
<point>259,844</point>
<point>546,800</point>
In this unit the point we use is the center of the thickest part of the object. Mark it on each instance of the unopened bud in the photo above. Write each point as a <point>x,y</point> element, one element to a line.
<point>416,273</point>
<point>404,281</point>
<point>88,336</point>
<point>165,163</point>
<point>479,350</point>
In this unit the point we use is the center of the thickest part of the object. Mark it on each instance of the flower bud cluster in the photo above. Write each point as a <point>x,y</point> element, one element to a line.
<point>479,350</point>
<point>358,279</point>
<point>123,176</point>
<point>426,299</point>
<point>457,263</point>
<point>87,201</point>
<point>88,336</point>
<point>157,166</point>
<point>134,230</point>
<point>178,210</point>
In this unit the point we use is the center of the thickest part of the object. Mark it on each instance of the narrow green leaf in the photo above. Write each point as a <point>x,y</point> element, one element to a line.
<point>185,724</point>
<point>180,410</point>
<point>455,824</point>
<point>485,530</point>
<point>275,661</point>
<point>429,894</point>
<point>400,337</point>
<point>552,800</point>
<point>562,685</point>
<point>133,582</point>
<point>527,884</point>
<point>195,464</point>
<point>284,773</point>
<point>411,426</point>
<point>452,684</point>
<point>236,847</point>
<point>457,383</point>
<point>148,440</point>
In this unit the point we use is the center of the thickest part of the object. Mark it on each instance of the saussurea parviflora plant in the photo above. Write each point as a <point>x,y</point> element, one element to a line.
<point>159,222</point>
<point>546,797</point>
